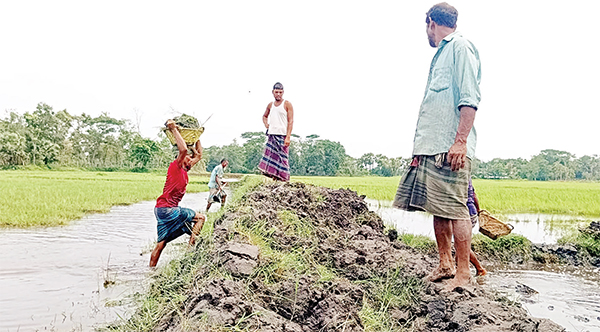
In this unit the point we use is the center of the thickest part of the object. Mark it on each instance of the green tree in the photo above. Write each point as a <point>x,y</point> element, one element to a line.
<point>323,157</point>
<point>12,149</point>
<point>142,152</point>
<point>98,141</point>
<point>350,167</point>
<point>253,150</point>
<point>47,132</point>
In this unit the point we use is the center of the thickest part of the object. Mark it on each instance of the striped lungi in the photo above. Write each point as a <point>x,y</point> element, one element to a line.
<point>274,162</point>
<point>434,188</point>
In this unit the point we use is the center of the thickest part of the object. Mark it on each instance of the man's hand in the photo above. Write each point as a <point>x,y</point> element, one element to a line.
<point>287,141</point>
<point>457,155</point>
<point>171,124</point>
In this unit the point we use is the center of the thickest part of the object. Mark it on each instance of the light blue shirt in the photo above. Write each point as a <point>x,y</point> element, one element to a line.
<point>453,82</point>
<point>217,171</point>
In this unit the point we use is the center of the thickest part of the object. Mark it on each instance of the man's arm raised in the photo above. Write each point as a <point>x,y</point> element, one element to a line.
<point>197,153</point>
<point>181,146</point>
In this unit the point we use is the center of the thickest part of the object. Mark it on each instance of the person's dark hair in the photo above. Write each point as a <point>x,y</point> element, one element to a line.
<point>224,160</point>
<point>278,86</point>
<point>443,14</point>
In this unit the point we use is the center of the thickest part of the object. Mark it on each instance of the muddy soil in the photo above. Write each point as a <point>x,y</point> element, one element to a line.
<point>347,239</point>
<point>565,253</point>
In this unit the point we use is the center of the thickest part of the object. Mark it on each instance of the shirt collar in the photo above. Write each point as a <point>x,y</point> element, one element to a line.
<point>449,38</point>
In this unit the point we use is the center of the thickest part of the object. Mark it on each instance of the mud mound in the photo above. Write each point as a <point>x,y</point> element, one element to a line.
<point>293,257</point>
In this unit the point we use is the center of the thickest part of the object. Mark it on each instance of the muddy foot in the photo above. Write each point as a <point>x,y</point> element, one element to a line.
<point>441,273</point>
<point>481,273</point>
<point>458,281</point>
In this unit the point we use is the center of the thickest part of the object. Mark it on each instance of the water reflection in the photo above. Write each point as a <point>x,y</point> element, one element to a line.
<point>54,278</point>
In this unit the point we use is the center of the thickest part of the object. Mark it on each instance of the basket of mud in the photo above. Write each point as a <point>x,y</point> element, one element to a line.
<point>189,128</point>
<point>491,227</point>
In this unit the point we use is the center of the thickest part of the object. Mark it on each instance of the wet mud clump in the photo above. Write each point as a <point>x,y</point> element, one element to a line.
<point>581,249</point>
<point>294,257</point>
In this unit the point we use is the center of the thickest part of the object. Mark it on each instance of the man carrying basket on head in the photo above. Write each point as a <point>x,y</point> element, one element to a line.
<point>279,121</point>
<point>172,220</point>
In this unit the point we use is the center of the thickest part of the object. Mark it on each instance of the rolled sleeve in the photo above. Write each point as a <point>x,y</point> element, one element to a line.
<point>467,75</point>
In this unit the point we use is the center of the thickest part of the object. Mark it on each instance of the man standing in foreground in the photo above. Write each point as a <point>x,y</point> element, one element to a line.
<point>444,144</point>
<point>279,121</point>
<point>172,220</point>
<point>216,193</point>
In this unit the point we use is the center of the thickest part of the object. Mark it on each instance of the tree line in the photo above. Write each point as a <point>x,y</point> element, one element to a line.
<point>51,138</point>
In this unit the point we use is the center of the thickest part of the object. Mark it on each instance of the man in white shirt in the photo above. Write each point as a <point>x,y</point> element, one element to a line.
<point>215,184</point>
<point>279,121</point>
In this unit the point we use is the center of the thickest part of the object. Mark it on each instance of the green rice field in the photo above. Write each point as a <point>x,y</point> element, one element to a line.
<point>51,198</point>
<point>496,196</point>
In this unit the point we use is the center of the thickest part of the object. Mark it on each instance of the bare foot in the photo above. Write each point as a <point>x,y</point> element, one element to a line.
<point>460,280</point>
<point>441,273</point>
<point>481,273</point>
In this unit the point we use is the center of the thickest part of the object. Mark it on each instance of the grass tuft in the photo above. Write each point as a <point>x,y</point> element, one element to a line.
<point>510,248</point>
<point>385,294</point>
<point>420,242</point>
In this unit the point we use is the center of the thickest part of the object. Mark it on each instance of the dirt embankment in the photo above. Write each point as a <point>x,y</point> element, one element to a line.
<point>584,252</point>
<point>293,257</point>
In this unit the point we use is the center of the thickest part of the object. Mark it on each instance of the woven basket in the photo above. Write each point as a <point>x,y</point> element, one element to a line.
<point>190,135</point>
<point>492,227</point>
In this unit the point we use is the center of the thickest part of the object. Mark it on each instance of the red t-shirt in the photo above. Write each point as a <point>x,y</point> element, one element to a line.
<point>177,180</point>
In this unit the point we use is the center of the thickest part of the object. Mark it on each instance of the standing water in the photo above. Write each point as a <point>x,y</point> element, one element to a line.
<point>570,296</point>
<point>75,277</point>
<point>538,228</point>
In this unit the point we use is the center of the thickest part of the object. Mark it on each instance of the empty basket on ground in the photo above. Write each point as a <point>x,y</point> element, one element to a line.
<point>190,135</point>
<point>491,226</point>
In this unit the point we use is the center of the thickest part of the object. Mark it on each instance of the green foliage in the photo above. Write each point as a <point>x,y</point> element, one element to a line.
<point>186,121</point>
<point>381,165</point>
<point>509,248</point>
<point>47,137</point>
<point>322,157</point>
<point>547,165</point>
<point>142,152</point>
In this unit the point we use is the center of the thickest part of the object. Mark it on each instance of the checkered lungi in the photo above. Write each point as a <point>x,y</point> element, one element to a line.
<point>430,185</point>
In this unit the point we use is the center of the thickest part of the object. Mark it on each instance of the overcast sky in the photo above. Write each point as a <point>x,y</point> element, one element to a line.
<point>355,71</point>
